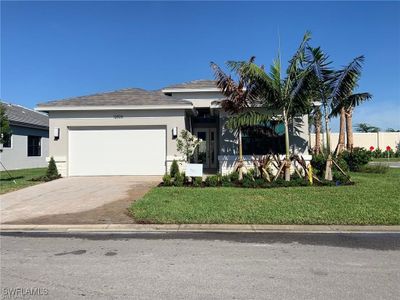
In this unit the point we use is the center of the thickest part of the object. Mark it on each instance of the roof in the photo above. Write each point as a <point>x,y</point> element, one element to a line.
<point>194,84</point>
<point>125,97</point>
<point>19,115</point>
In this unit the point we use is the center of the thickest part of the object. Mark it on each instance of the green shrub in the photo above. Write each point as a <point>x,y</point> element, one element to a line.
<point>338,177</point>
<point>248,181</point>
<point>356,158</point>
<point>179,179</point>
<point>234,176</point>
<point>52,171</point>
<point>378,169</point>
<point>174,168</point>
<point>377,153</point>
<point>318,163</point>
<point>226,181</point>
<point>167,180</point>
<point>197,181</point>
<point>212,181</point>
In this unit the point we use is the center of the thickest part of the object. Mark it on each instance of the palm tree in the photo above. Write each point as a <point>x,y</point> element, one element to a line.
<point>364,127</point>
<point>344,105</point>
<point>347,105</point>
<point>334,87</point>
<point>317,120</point>
<point>240,97</point>
<point>289,96</point>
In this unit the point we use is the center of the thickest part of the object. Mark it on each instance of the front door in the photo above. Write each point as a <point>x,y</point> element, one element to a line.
<point>206,153</point>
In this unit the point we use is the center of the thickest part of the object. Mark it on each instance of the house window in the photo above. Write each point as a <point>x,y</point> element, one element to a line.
<point>34,143</point>
<point>263,139</point>
<point>7,140</point>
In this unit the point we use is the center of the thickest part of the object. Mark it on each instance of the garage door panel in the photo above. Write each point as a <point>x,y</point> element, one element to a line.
<point>117,152</point>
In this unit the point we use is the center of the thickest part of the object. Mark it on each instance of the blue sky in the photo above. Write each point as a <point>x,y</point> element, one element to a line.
<point>54,50</point>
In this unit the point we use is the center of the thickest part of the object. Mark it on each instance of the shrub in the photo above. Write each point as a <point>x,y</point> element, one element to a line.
<point>378,169</point>
<point>248,182</point>
<point>212,181</point>
<point>377,153</point>
<point>356,158</point>
<point>167,180</point>
<point>52,171</point>
<point>226,181</point>
<point>318,163</point>
<point>338,177</point>
<point>234,176</point>
<point>174,168</point>
<point>197,181</point>
<point>179,179</point>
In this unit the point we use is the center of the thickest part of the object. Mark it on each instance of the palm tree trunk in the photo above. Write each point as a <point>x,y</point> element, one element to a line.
<point>318,125</point>
<point>287,148</point>
<point>328,167</point>
<point>240,164</point>
<point>342,137</point>
<point>349,128</point>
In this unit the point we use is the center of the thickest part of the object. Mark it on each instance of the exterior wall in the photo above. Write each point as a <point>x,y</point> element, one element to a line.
<point>228,150</point>
<point>16,157</point>
<point>66,119</point>
<point>365,139</point>
<point>199,99</point>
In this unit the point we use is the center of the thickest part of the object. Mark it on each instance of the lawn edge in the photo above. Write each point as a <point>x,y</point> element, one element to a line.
<point>239,228</point>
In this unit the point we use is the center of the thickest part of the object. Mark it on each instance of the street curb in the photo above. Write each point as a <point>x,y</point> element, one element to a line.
<point>238,228</point>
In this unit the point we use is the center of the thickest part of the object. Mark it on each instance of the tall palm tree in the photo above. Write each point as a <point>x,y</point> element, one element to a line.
<point>240,95</point>
<point>334,86</point>
<point>289,96</point>
<point>343,105</point>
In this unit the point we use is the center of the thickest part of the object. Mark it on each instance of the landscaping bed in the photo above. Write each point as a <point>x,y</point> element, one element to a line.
<point>373,200</point>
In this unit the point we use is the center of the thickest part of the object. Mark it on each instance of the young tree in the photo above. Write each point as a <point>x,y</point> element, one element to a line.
<point>4,124</point>
<point>187,143</point>
<point>364,127</point>
<point>240,95</point>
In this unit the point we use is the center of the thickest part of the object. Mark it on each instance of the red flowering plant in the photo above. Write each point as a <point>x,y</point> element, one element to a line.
<point>372,148</point>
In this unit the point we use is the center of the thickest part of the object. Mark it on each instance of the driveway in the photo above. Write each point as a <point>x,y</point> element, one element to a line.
<point>76,200</point>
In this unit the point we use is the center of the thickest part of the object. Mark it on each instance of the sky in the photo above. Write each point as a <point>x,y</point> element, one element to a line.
<point>55,50</point>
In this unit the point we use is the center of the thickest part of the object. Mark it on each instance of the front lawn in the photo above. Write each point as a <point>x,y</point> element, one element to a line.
<point>21,177</point>
<point>374,199</point>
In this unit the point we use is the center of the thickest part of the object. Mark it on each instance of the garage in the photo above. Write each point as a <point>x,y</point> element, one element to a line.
<point>116,151</point>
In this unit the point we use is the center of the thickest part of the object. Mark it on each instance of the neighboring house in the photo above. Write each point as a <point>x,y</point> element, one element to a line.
<point>28,144</point>
<point>134,131</point>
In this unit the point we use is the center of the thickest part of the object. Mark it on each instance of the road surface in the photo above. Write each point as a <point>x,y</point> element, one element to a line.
<point>202,266</point>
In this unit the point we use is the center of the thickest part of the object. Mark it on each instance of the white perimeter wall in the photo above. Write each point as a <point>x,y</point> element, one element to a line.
<point>366,140</point>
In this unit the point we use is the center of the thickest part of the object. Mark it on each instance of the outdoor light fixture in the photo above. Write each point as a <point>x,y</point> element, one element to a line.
<point>174,132</point>
<point>56,133</point>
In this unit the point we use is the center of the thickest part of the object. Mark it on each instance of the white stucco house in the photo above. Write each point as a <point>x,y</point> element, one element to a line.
<point>133,131</point>
<point>28,144</point>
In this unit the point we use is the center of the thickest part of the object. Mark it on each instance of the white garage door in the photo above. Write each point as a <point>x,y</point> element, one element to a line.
<point>116,151</point>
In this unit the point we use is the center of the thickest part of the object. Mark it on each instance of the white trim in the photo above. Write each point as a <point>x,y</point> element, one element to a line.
<point>114,107</point>
<point>183,90</point>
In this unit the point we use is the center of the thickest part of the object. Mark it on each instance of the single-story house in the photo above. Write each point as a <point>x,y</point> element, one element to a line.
<point>133,131</point>
<point>28,144</point>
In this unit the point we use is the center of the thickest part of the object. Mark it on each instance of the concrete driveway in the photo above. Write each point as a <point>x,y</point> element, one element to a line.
<point>75,200</point>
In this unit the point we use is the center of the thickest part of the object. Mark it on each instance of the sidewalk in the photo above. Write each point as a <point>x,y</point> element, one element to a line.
<point>239,228</point>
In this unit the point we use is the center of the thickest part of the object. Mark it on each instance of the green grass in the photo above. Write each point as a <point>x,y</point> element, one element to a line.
<point>395,159</point>
<point>21,177</point>
<point>374,199</point>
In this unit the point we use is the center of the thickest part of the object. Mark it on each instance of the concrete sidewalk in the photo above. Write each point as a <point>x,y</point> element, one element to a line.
<point>126,228</point>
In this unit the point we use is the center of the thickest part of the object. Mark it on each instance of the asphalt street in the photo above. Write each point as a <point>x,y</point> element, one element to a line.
<point>201,266</point>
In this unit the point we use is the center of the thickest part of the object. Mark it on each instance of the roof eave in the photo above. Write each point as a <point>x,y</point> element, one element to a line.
<point>113,107</point>
<point>184,90</point>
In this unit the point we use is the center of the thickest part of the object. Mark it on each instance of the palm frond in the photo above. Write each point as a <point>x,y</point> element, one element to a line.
<point>346,79</point>
<point>351,101</point>
<point>247,118</point>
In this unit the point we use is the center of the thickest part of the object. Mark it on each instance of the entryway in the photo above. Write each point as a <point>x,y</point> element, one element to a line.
<point>206,153</point>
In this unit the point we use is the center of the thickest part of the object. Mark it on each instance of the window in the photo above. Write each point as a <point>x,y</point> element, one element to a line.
<point>34,146</point>
<point>264,139</point>
<point>7,140</point>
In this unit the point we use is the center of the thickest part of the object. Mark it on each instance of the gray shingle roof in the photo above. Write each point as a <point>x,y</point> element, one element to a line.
<point>194,84</point>
<point>121,97</point>
<point>19,115</point>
